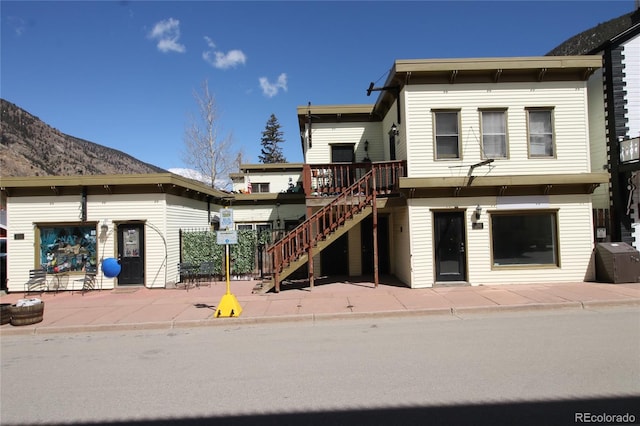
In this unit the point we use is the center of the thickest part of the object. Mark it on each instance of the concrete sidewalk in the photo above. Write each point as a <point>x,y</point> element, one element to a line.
<point>141,308</point>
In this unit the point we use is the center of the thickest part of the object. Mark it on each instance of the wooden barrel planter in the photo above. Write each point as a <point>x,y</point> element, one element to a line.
<point>5,313</point>
<point>27,315</point>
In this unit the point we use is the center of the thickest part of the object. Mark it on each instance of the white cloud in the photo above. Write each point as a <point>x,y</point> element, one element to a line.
<point>271,89</point>
<point>167,33</point>
<point>222,60</point>
<point>18,24</point>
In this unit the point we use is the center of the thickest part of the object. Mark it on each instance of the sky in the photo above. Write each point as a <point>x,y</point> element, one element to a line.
<point>123,73</point>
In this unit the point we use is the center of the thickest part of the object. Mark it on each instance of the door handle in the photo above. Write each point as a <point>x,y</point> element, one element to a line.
<point>461,247</point>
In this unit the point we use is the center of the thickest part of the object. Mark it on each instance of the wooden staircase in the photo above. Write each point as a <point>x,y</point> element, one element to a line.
<point>346,209</point>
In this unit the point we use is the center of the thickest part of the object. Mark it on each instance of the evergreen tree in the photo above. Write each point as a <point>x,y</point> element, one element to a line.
<point>271,138</point>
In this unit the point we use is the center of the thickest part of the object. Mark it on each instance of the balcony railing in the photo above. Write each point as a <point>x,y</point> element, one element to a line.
<point>330,179</point>
<point>349,197</point>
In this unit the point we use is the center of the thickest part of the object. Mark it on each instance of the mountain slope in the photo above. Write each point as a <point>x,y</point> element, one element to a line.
<point>30,147</point>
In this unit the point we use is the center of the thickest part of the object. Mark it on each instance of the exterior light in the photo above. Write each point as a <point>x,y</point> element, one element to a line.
<point>478,212</point>
<point>366,145</point>
<point>394,130</point>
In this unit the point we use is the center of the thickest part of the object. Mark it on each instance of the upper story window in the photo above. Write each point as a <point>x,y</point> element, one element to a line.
<point>259,187</point>
<point>447,134</point>
<point>540,127</point>
<point>494,134</point>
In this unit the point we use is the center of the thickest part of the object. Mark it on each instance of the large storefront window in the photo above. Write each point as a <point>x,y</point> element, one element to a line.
<point>67,248</point>
<point>524,239</point>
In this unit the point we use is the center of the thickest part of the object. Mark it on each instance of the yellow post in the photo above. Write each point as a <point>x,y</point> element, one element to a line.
<point>228,306</point>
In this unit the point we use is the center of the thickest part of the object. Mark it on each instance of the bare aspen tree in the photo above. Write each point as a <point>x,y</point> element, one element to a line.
<point>206,150</point>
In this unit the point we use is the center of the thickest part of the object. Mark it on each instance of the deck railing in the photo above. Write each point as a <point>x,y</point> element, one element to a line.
<point>330,179</point>
<point>349,196</point>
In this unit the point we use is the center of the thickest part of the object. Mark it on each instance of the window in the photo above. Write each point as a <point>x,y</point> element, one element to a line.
<point>494,134</point>
<point>447,140</point>
<point>540,133</point>
<point>524,238</point>
<point>67,247</point>
<point>342,153</point>
<point>260,187</point>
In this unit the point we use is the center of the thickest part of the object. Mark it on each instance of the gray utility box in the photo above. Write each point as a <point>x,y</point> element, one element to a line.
<point>617,263</point>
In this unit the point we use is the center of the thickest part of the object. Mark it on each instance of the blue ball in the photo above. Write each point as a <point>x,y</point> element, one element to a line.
<point>110,267</point>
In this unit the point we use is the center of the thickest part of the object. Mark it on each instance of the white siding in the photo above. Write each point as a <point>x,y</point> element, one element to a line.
<point>278,181</point>
<point>323,135</point>
<point>421,249</point>
<point>162,224</point>
<point>570,118</point>
<point>632,80</point>
<point>182,213</point>
<point>22,215</point>
<point>401,245</point>
<point>267,213</point>
<point>401,146</point>
<point>149,208</point>
<point>574,239</point>
<point>24,212</point>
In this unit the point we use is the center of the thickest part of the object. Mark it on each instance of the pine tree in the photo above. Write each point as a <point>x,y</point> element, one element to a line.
<point>271,138</point>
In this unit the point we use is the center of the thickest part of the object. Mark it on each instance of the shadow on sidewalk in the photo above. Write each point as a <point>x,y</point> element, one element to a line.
<point>555,412</point>
<point>359,281</point>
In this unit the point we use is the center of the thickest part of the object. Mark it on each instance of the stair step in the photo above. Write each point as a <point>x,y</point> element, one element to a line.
<point>263,286</point>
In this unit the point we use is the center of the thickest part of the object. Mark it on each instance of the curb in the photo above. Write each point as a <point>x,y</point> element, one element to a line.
<point>313,318</point>
<point>517,308</point>
<point>592,304</point>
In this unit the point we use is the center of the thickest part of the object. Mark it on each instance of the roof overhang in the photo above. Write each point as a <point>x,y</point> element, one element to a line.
<point>268,198</point>
<point>270,167</point>
<point>109,184</point>
<point>532,69</point>
<point>334,114</point>
<point>463,186</point>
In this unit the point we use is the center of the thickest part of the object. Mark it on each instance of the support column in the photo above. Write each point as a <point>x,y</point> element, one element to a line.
<point>375,231</point>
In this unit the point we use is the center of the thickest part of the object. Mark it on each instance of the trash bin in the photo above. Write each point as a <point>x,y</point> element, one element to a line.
<point>617,263</point>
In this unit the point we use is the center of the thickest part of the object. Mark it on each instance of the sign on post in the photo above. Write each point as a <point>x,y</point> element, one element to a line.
<point>227,237</point>
<point>226,219</point>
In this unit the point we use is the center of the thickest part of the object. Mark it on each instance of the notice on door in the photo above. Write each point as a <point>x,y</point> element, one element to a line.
<point>132,243</point>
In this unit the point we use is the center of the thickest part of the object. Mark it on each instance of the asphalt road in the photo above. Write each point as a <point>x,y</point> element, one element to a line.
<point>524,368</point>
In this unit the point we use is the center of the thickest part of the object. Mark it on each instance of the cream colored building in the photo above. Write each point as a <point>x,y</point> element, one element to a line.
<point>68,224</point>
<point>481,169</point>
<point>268,196</point>
<point>498,181</point>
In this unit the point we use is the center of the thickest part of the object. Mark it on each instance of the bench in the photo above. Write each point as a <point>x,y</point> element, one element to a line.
<point>37,281</point>
<point>88,281</point>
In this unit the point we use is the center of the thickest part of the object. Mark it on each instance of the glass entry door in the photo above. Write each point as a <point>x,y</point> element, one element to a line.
<point>131,253</point>
<point>450,251</point>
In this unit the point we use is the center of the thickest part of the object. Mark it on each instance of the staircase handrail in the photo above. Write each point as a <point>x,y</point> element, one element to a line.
<point>304,235</point>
